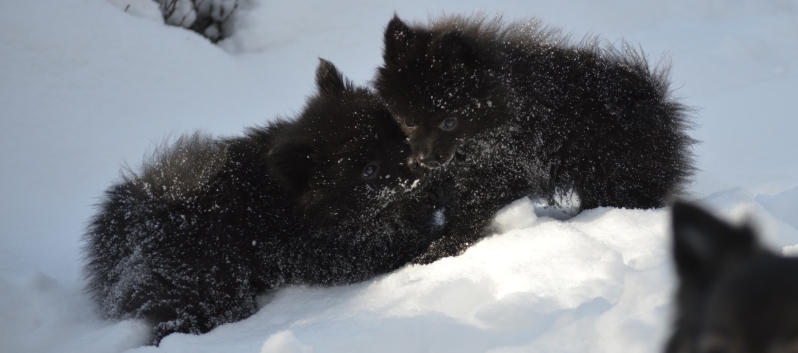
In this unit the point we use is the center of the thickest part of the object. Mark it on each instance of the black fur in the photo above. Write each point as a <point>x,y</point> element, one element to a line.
<point>535,114</point>
<point>733,296</point>
<point>208,224</point>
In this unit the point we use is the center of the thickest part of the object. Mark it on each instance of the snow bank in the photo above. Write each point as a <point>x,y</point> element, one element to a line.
<point>599,282</point>
<point>38,314</point>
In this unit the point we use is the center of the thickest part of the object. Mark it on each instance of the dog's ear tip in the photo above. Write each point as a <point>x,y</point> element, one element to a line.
<point>397,29</point>
<point>325,63</point>
<point>400,40</point>
<point>328,78</point>
<point>395,21</point>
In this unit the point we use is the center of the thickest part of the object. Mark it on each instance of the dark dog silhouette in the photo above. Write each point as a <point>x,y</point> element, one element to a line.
<point>208,224</point>
<point>734,296</point>
<point>510,110</point>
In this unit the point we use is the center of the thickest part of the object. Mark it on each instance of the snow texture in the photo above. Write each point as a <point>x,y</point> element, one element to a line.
<point>86,87</point>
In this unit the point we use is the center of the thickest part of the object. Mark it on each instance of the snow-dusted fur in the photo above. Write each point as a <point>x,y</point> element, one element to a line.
<point>207,224</point>
<point>733,295</point>
<point>515,109</point>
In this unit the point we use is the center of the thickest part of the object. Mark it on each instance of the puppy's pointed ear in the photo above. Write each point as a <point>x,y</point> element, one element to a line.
<point>328,78</point>
<point>291,164</point>
<point>704,246</point>
<point>400,41</point>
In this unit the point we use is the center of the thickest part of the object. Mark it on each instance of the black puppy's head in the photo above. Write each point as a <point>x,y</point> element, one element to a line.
<point>439,84</point>
<point>344,157</point>
<point>734,297</point>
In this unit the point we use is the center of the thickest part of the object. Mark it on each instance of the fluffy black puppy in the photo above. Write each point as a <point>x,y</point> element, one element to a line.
<point>208,224</point>
<point>516,109</point>
<point>733,295</point>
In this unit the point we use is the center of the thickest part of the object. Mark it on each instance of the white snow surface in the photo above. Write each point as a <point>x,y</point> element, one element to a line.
<point>86,87</point>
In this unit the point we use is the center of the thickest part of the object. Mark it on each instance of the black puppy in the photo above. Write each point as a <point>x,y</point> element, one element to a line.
<point>734,296</point>
<point>208,224</point>
<point>516,109</point>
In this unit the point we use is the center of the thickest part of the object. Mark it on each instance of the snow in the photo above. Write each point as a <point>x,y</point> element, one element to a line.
<point>86,87</point>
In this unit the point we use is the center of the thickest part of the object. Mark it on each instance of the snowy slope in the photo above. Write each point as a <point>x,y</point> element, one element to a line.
<point>86,87</point>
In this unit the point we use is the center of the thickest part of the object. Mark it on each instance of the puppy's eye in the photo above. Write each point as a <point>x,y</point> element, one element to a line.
<point>370,171</point>
<point>449,123</point>
<point>410,123</point>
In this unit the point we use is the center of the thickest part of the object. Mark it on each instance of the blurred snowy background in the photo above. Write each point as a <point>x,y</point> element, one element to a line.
<point>89,85</point>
